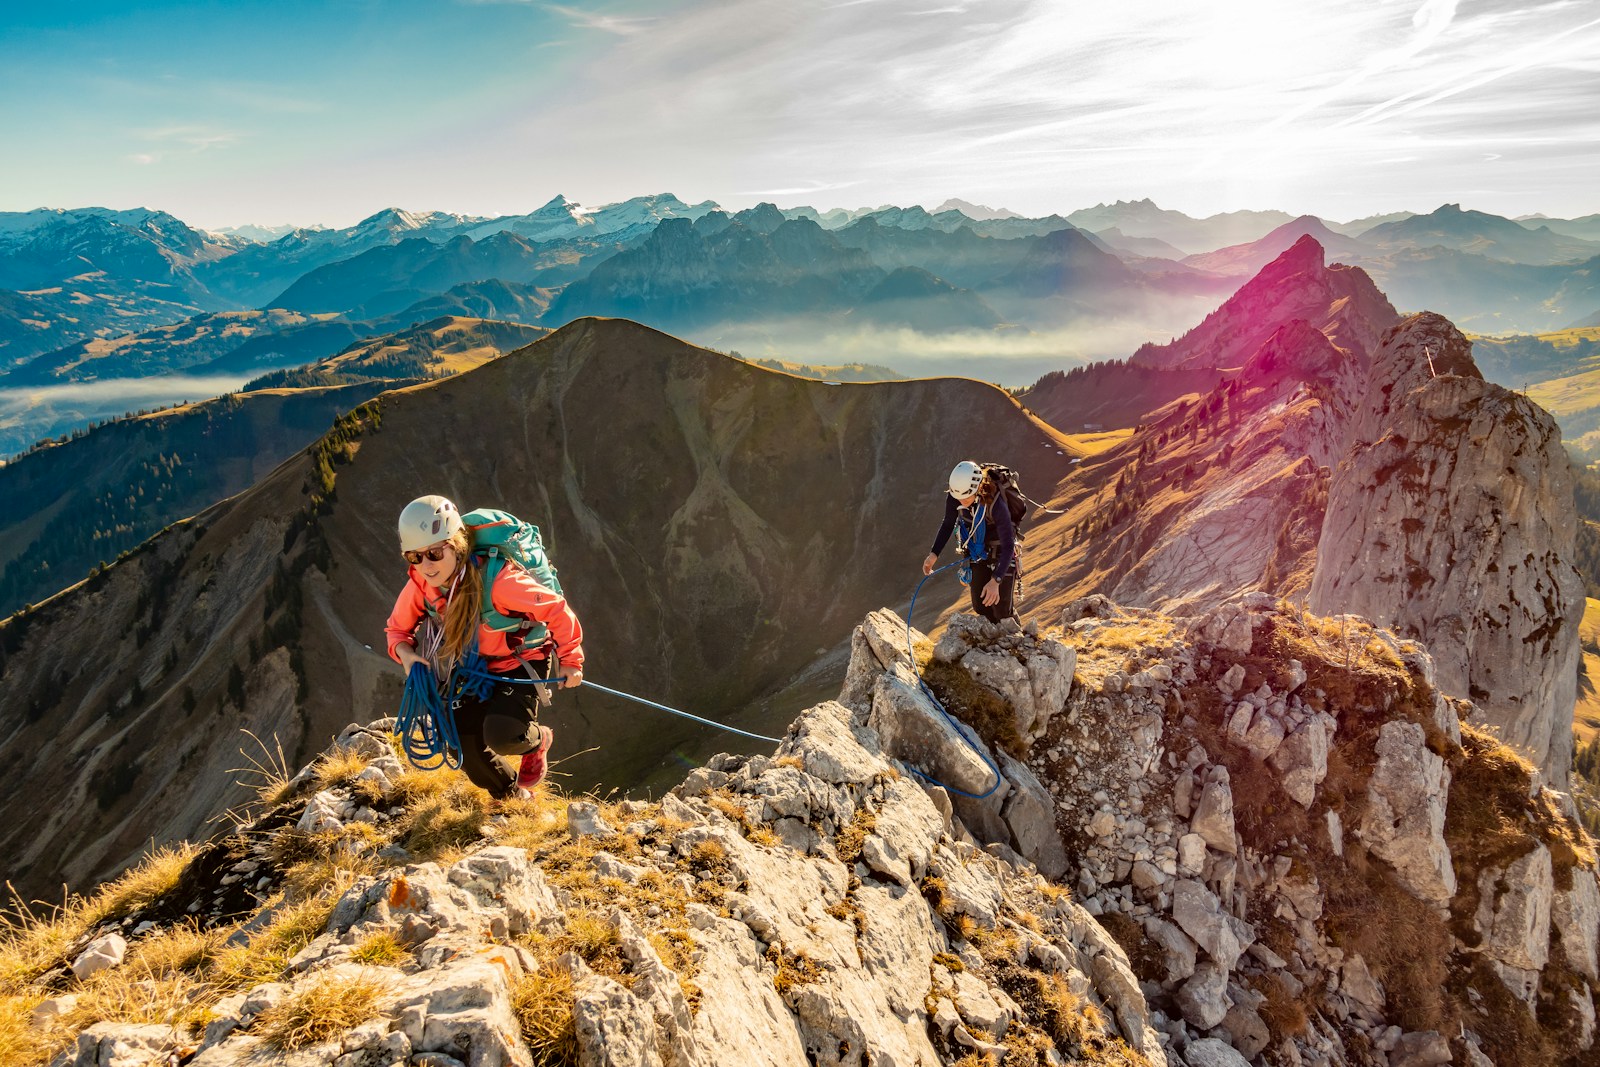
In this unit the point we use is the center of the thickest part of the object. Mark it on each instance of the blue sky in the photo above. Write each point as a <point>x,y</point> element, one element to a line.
<point>244,112</point>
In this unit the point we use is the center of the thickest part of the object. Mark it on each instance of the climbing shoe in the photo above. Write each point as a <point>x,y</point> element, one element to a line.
<point>533,763</point>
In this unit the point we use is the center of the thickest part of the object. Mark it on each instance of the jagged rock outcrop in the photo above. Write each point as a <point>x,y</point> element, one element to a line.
<point>815,906</point>
<point>1238,877</point>
<point>829,904</point>
<point>1450,520</point>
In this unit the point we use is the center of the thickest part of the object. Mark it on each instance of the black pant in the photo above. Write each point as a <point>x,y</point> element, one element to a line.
<point>981,573</point>
<point>505,723</point>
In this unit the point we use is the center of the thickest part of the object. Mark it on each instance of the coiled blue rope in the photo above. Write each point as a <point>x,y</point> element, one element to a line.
<point>954,722</point>
<point>425,725</point>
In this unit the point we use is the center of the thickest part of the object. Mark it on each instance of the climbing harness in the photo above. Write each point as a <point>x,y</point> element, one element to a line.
<point>959,727</point>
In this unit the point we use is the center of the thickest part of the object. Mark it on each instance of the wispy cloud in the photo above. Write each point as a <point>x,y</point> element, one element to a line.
<point>806,189</point>
<point>1032,104</point>
<point>190,138</point>
<point>621,25</point>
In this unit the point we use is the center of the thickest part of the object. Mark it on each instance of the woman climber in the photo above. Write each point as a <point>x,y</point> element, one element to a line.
<point>442,620</point>
<point>986,538</point>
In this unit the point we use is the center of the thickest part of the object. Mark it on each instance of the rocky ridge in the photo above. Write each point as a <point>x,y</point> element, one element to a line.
<point>1268,837</point>
<point>1449,519</point>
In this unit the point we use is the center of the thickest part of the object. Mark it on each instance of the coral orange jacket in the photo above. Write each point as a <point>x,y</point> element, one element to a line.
<point>515,592</point>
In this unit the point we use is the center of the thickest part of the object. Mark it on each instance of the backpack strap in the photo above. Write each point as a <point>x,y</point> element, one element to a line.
<point>529,632</point>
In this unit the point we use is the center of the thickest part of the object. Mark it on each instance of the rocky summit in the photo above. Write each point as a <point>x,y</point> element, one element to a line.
<point>1251,835</point>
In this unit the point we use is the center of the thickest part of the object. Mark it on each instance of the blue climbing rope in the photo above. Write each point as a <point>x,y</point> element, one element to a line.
<point>960,728</point>
<point>478,677</point>
<point>425,725</point>
<point>683,714</point>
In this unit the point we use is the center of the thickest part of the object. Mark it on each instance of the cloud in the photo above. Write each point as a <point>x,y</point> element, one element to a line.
<point>807,189</point>
<point>143,158</point>
<point>621,25</point>
<point>193,138</point>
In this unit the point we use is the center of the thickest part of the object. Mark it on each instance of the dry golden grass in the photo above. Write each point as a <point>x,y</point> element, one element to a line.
<point>133,994</point>
<point>32,942</point>
<point>543,1002</point>
<point>441,823</point>
<point>268,774</point>
<point>853,835</point>
<point>1092,444</point>
<point>293,926</point>
<point>152,878</point>
<point>21,1043</point>
<point>753,829</point>
<point>1586,714</point>
<point>321,1007</point>
<point>182,949</point>
<point>337,767</point>
<point>380,949</point>
<point>1133,636</point>
<point>1284,1013</point>
<point>793,969</point>
<point>331,857</point>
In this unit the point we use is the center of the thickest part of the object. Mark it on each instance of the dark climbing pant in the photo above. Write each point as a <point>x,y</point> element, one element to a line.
<point>504,723</point>
<point>981,573</point>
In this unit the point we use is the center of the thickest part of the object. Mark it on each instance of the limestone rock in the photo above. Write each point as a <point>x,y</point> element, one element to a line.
<point>912,729</point>
<point>101,953</point>
<point>614,1028</point>
<point>1404,821</point>
<point>1302,759</point>
<point>1450,518</point>
<point>1198,911</point>
<point>1203,999</point>
<point>1178,952</point>
<point>122,1045</point>
<point>1575,914</point>
<point>886,634</point>
<point>584,820</point>
<point>322,813</point>
<point>1264,736</point>
<point>1514,911</point>
<point>1001,673</point>
<point>1210,1052</point>
<point>1427,1048</point>
<point>1213,817</point>
<point>1030,814</point>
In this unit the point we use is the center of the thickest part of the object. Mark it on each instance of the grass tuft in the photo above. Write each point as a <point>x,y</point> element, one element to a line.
<point>380,949</point>
<point>325,1006</point>
<point>542,1001</point>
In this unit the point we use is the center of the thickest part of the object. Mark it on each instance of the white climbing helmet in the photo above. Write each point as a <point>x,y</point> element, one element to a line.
<point>426,521</point>
<point>965,479</point>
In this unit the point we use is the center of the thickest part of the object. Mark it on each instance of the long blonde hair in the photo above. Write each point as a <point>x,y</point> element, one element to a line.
<point>465,600</point>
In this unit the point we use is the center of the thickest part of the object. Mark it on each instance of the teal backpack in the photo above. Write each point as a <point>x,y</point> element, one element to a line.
<point>496,537</point>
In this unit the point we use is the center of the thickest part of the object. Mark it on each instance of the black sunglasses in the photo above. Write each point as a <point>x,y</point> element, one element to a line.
<point>436,553</point>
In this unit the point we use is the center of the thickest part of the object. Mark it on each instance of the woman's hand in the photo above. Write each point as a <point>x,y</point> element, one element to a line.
<point>408,657</point>
<point>927,564</point>
<point>991,593</point>
<point>572,678</point>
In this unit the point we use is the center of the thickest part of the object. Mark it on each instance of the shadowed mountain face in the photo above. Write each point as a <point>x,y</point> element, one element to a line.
<point>715,524</point>
<point>105,491</point>
<point>101,494</point>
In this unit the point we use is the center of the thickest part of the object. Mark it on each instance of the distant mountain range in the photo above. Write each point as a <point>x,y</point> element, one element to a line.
<point>97,294</point>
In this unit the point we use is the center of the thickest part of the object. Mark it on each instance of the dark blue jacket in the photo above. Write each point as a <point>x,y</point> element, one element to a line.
<point>1000,537</point>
